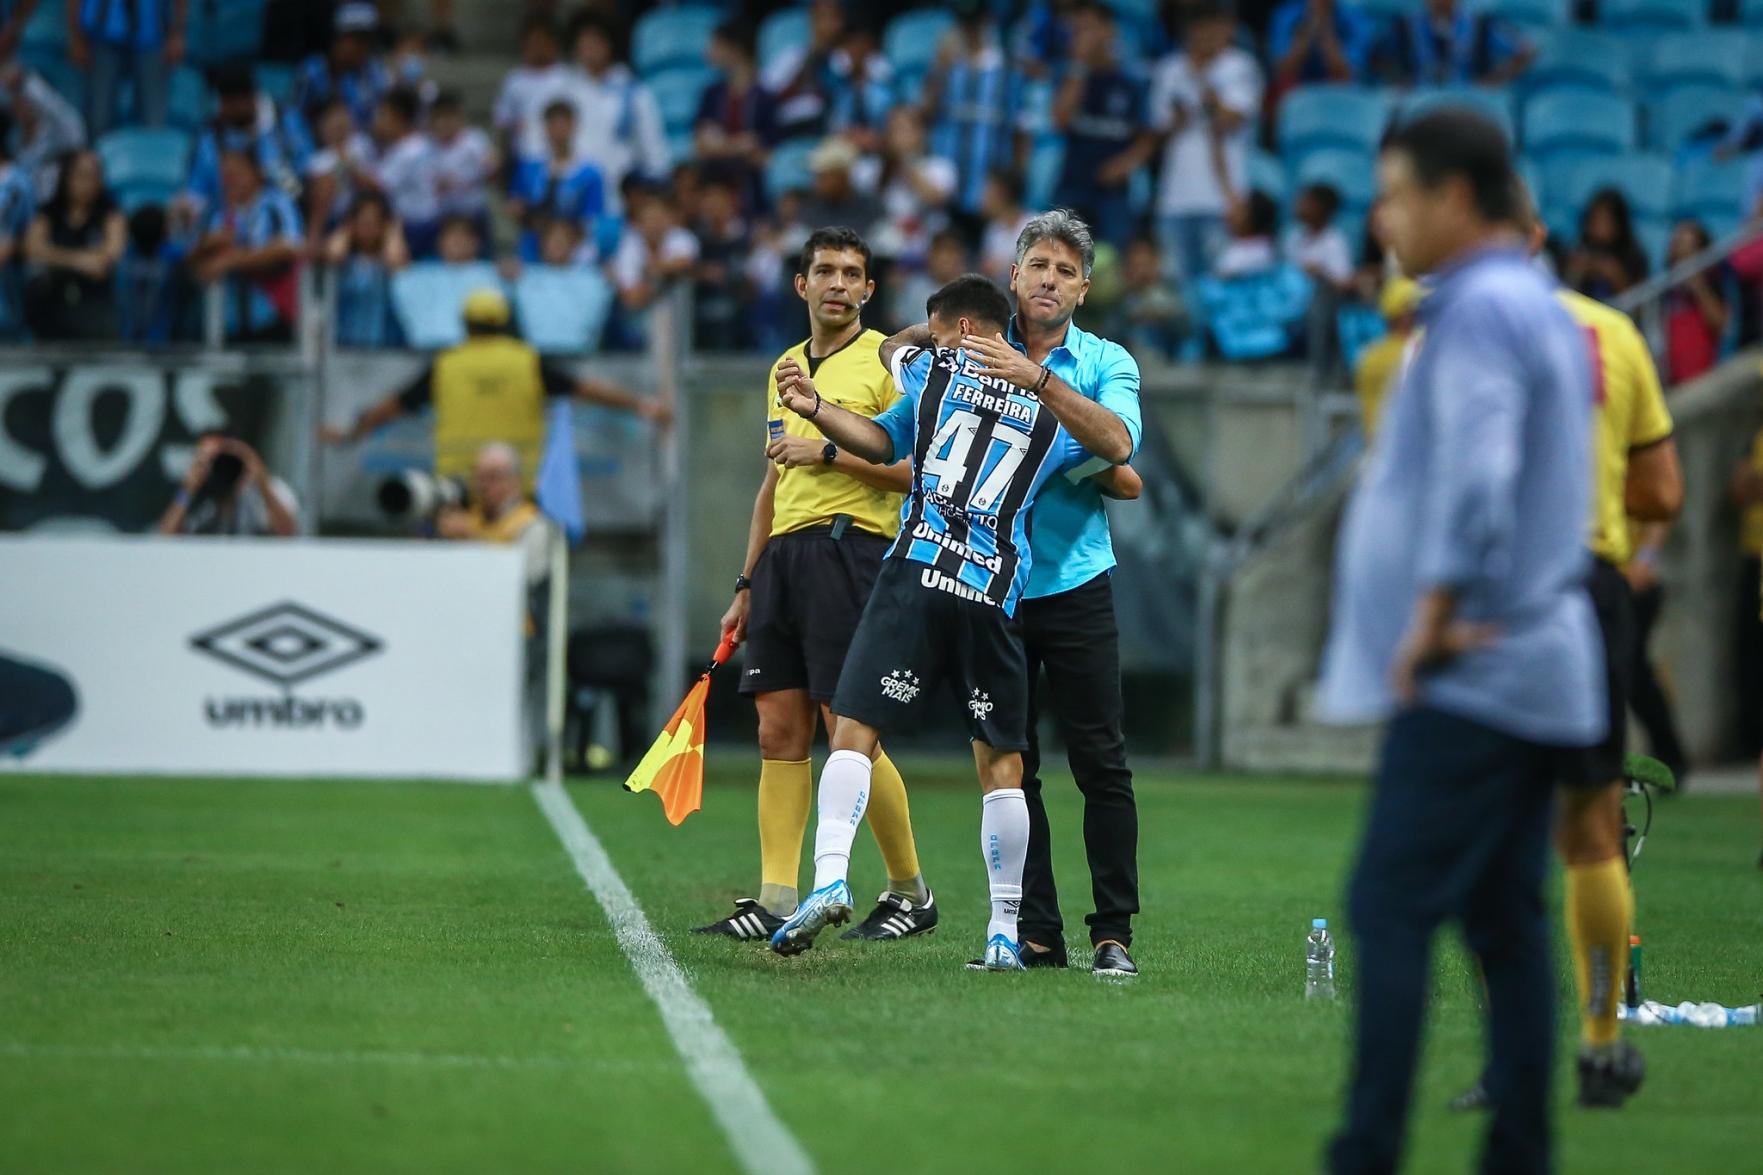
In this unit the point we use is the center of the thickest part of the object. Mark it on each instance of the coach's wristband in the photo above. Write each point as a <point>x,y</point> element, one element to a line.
<point>1041,384</point>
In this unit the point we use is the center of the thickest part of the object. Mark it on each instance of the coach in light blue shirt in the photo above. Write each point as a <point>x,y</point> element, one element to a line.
<point>1067,612</point>
<point>1461,616</point>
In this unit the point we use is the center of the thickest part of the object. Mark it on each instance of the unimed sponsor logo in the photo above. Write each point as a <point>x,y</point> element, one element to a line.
<point>285,644</point>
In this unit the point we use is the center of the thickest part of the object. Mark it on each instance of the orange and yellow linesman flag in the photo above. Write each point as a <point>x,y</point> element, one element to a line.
<point>673,768</point>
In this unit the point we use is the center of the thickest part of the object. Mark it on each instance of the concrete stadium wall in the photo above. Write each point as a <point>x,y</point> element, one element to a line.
<point>1275,612</point>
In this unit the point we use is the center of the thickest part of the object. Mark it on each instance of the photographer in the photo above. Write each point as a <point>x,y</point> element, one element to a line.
<point>228,491</point>
<point>498,510</point>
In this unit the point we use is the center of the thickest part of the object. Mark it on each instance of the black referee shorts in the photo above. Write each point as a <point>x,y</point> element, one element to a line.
<point>1613,603</point>
<point>913,638</point>
<point>808,594</point>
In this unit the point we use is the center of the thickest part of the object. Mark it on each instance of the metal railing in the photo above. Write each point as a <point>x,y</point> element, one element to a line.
<point>1646,301</point>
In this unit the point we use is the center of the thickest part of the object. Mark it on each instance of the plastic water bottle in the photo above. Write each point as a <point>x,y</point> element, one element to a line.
<point>1318,962</point>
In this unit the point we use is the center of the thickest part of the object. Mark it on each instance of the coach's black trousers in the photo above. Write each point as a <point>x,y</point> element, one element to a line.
<point>1646,697</point>
<point>1073,635</point>
<point>1458,830</point>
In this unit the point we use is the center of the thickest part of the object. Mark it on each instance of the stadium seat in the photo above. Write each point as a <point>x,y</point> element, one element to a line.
<point>681,146</point>
<point>228,31</point>
<point>1652,15</point>
<point>667,37</point>
<point>1708,189</point>
<point>1530,15</point>
<point>1496,104</point>
<point>562,310</point>
<point>1655,237</point>
<point>1257,316</point>
<point>1559,122</point>
<point>428,296</point>
<point>1353,174</point>
<point>1314,117</point>
<point>1751,13</point>
<point>138,157</point>
<point>187,101</point>
<point>1267,174</point>
<point>911,39</point>
<point>1717,58</point>
<point>676,94</point>
<point>60,73</point>
<point>788,168</point>
<point>47,28</point>
<point>1644,180</point>
<point>1754,61</point>
<point>132,196</point>
<point>783,30</point>
<point>1579,57</point>
<point>1683,112</point>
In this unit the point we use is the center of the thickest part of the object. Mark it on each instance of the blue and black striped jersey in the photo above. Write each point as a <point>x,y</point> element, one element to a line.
<point>981,449</point>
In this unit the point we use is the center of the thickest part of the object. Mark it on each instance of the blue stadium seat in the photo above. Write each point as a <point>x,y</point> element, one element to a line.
<point>275,80</point>
<point>785,29</point>
<point>666,37</point>
<point>187,99</point>
<point>1682,111</point>
<point>47,28</point>
<point>1751,13</point>
<point>681,146</point>
<point>227,31</point>
<point>1353,174</point>
<point>676,94</point>
<point>1754,62</point>
<point>1655,237</point>
<point>1652,15</point>
<point>1530,15</point>
<point>1707,189</point>
<point>1314,117</point>
<point>1559,122</point>
<point>141,157</point>
<point>1267,174</point>
<point>1257,316</point>
<point>1579,57</point>
<point>562,310</point>
<point>1496,104</point>
<point>788,168</point>
<point>1677,58</point>
<point>911,39</point>
<point>429,296</point>
<point>1644,180</point>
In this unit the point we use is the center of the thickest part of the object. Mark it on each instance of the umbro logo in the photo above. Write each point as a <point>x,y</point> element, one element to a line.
<point>286,643</point>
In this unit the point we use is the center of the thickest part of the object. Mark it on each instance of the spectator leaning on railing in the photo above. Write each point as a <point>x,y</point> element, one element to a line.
<point>364,253</point>
<point>1695,311</point>
<point>252,243</point>
<point>72,248</point>
<point>227,490</point>
<point>246,120</point>
<point>343,154</point>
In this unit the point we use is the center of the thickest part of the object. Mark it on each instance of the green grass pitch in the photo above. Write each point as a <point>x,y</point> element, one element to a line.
<point>374,977</point>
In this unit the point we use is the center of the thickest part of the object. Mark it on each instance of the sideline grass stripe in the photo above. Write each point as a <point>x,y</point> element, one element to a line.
<point>761,1143</point>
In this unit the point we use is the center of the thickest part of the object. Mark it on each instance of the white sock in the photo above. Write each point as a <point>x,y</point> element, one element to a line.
<point>1003,839</point>
<point>844,794</point>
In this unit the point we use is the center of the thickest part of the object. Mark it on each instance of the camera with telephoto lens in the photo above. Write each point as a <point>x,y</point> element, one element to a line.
<point>419,494</point>
<point>223,477</point>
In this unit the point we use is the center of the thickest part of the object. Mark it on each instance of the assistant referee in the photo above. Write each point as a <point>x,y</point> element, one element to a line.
<point>822,522</point>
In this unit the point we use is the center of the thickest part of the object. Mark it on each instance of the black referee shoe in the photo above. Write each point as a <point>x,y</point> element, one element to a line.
<point>749,921</point>
<point>895,917</point>
<point>1112,961</point>
<point>1609,1077</point>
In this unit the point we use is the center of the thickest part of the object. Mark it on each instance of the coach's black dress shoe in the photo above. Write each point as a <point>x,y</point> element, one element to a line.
<point>1112,960</point>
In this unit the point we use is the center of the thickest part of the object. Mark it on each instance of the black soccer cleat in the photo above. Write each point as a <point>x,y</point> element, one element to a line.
<point>1113,962</point>
<point>749,921</point>
<point>1470,1100</point>
<point>1609,1077</point>
<point>896,917</point>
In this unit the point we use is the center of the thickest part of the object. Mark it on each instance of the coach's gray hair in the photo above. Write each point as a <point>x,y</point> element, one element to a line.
<point>1063,225</point>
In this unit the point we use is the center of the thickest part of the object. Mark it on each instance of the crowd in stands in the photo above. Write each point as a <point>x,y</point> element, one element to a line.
<point>1225,158</point>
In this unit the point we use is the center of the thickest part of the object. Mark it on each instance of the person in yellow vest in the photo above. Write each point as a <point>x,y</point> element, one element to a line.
<point>498,510</point>
<point>1378,361</point>
<point>491,387</point>
<point>822,522</point>
<point>1635,474</point>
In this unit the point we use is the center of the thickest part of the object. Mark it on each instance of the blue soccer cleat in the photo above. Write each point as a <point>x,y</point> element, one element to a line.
<point>830,905</point>
<point>1001,955</point>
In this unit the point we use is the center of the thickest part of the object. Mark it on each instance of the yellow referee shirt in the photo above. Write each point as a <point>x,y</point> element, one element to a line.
<point>1631,414</point>
<point>854,378</point>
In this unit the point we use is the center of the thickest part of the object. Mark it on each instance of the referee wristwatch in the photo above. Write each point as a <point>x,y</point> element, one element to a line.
<point>742,583</point>
<point>829,454</point>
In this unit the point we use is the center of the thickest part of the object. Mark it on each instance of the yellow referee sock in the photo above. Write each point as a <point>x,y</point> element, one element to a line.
<point>785,791</point>
<point>890,819</point>
<point>1599,908</point>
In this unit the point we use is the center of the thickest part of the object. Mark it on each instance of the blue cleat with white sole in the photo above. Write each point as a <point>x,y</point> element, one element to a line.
<point>1001,955</point>
<point>830,905</point>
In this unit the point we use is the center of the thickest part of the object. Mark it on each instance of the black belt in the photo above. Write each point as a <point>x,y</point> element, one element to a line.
<point>834,530</point>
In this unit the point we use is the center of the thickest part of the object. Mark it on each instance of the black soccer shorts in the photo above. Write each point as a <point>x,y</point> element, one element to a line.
<point>1613,602</point>
<point>913,638</point>
<point>808,594</point>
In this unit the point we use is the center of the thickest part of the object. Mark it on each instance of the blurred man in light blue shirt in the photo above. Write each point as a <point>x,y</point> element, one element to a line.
<point>1461,617</point>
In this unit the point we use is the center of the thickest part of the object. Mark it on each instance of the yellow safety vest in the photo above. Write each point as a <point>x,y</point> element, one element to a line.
<point>488,389</point>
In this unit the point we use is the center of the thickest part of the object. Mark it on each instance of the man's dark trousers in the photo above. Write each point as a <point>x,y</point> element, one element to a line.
<point>1458,830</point>
<point>1073,635</point>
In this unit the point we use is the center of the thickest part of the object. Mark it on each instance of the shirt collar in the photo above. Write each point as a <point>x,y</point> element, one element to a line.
<point>1070,345</point>
<point>1440,281</point>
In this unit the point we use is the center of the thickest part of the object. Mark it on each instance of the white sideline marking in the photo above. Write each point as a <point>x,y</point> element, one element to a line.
<point>257,1054</point>
<point>761,1144</point>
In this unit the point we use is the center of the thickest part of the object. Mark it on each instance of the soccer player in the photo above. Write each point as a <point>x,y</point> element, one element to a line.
<point>1461,616</point>
<point>944,603</point>
<point>821,523</point>
<point>1635,474</point>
